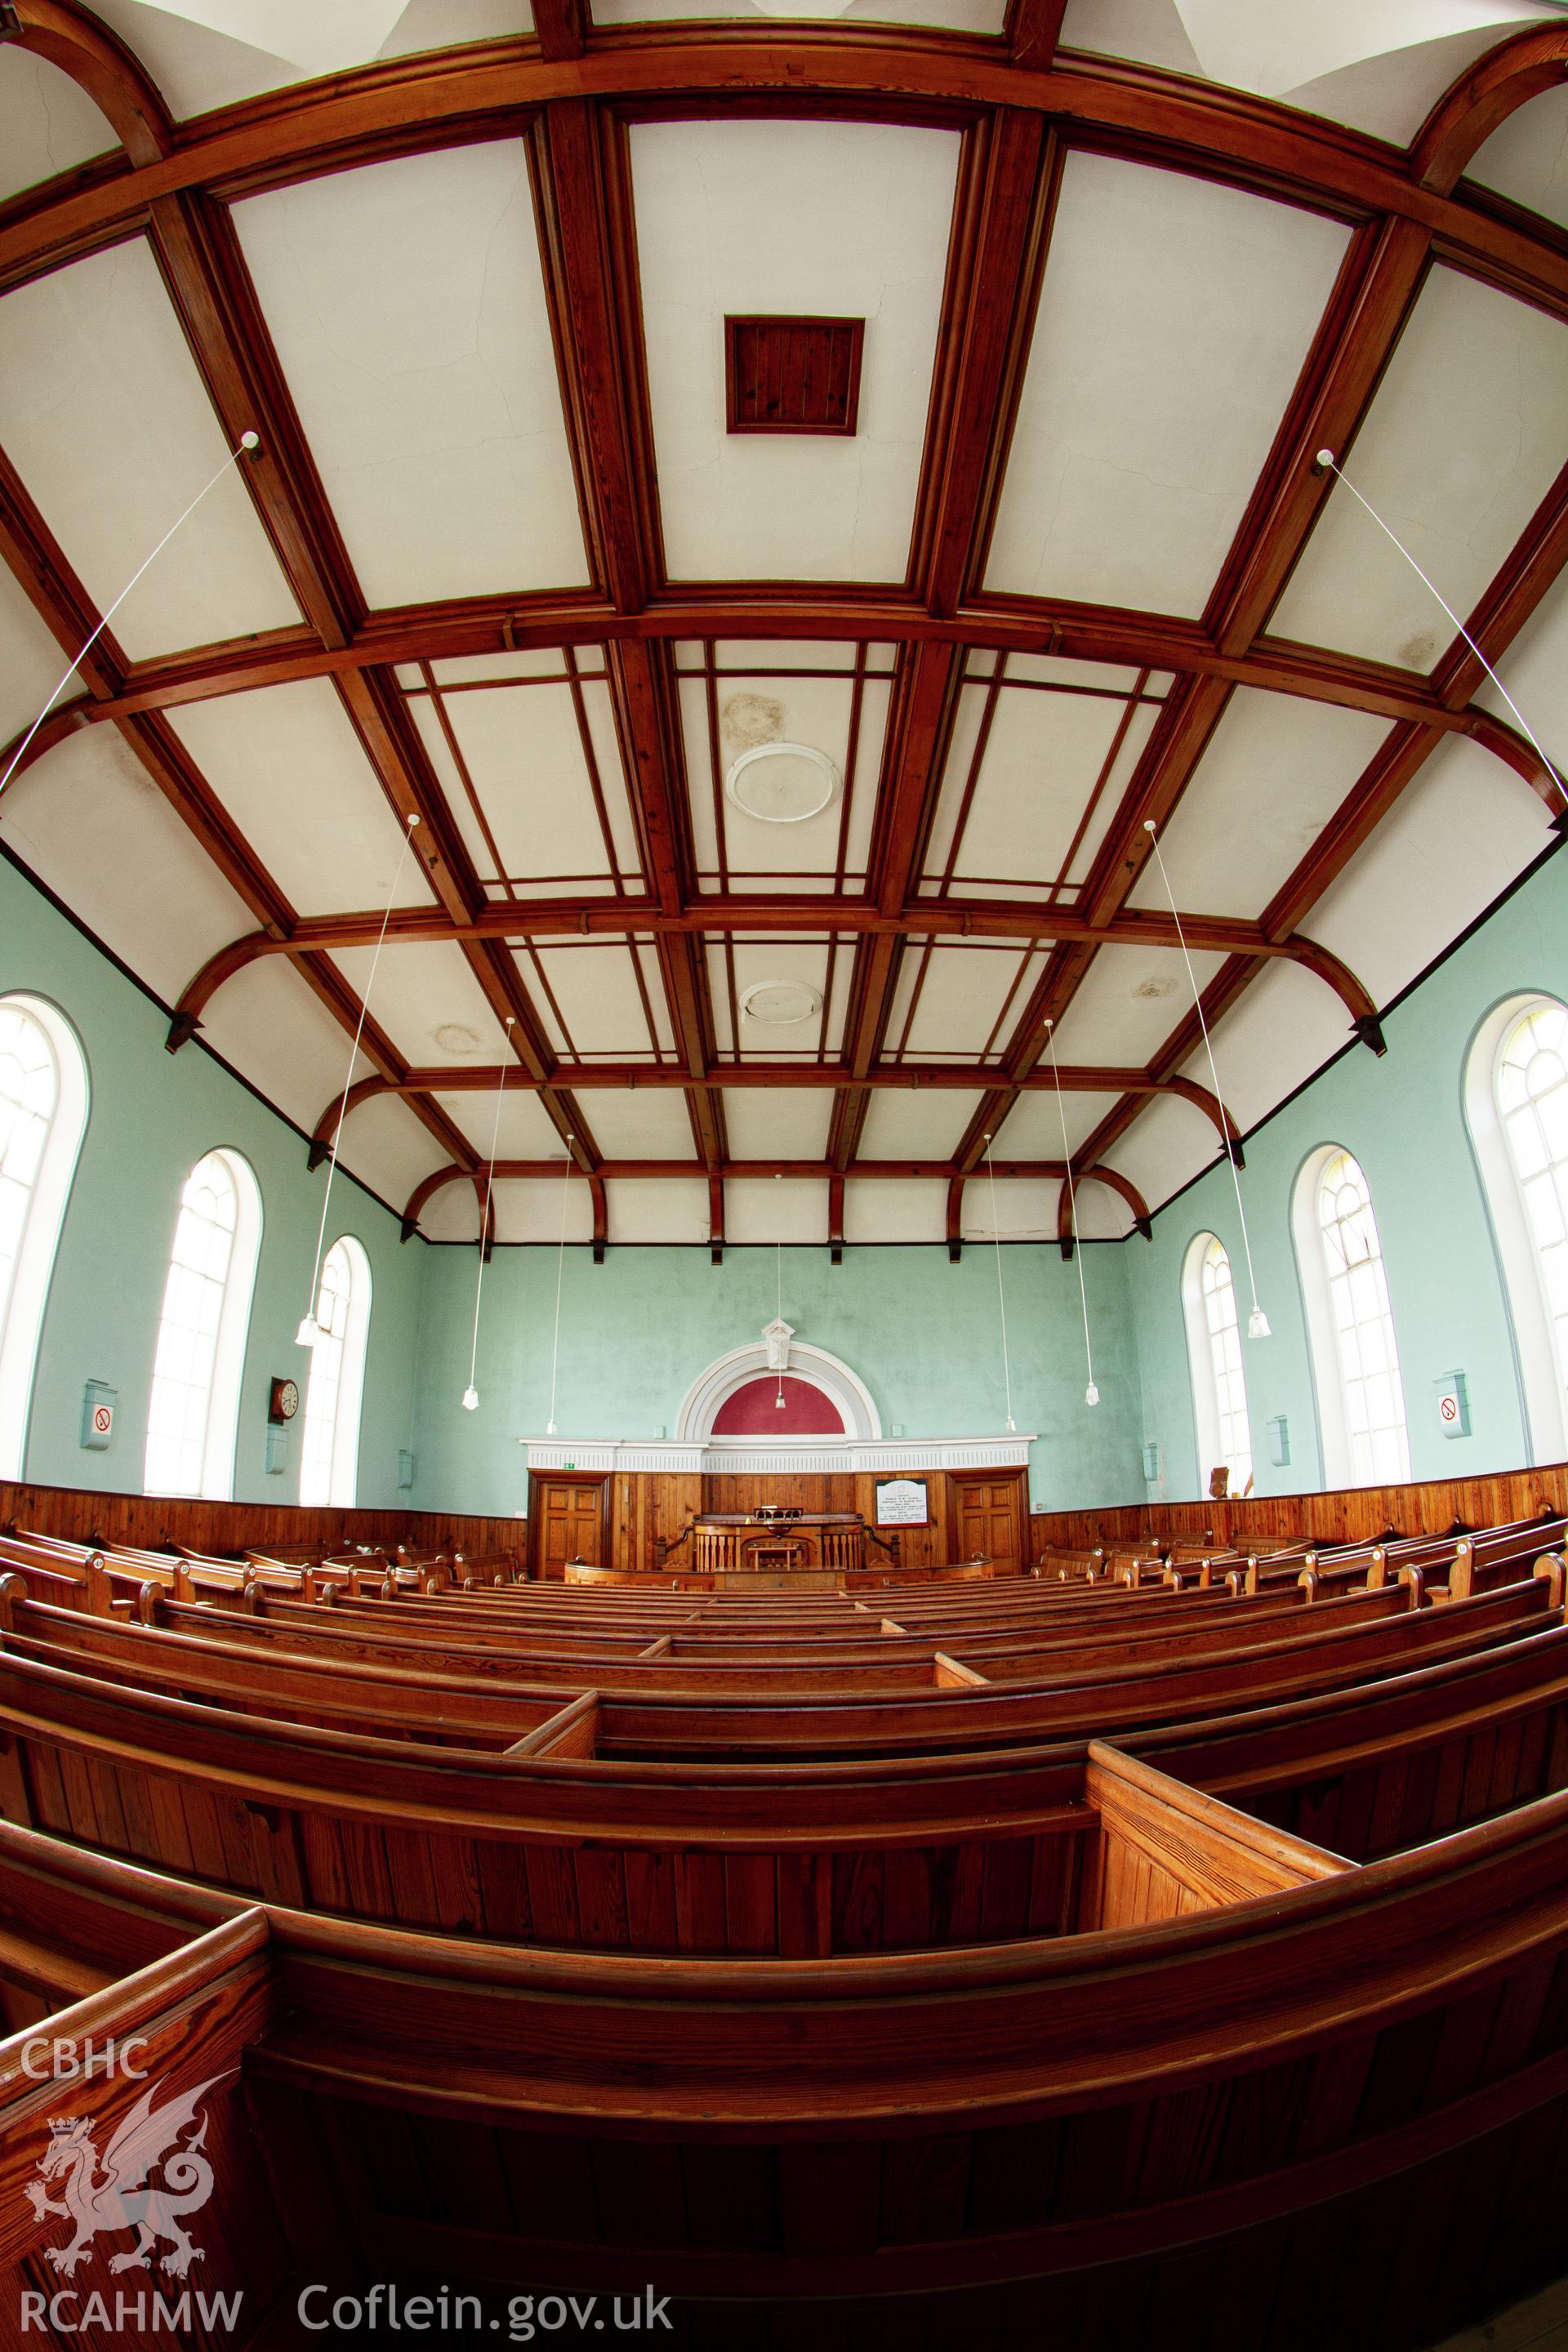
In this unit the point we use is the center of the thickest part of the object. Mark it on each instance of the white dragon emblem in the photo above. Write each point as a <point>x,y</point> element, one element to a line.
<point>120,2199</point>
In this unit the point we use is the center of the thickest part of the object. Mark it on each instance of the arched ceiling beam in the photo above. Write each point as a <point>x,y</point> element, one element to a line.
<point>1481,100</point>
<point>101,66</point>
<point>396,108</point>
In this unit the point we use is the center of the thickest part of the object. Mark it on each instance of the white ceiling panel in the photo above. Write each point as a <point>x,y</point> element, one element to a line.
<point>777,1122</point>
<point>916,1122</point>
<point>47,123</point>
<point>109,425</point>
<point>889,1208</point>
<point>1033,1128</point>
<point>757,963</point>
<point>269,1025</point>
<point>406,301</point>
<point>776,1208</point>
<point>1391,94</point>
<point>1167,1144</point>
<point>288,768</point>
<point>437,24</point>
<point>1131,1001</point>
<point>1283,1028</point>
<point>961,1000</point>
<point>1042,756</point>
<point>1026,1210</point>
<point>798,219</point>
<point>1535,671</point>
<point>1463,440</point>
<point>523,751</point>
<point>1458,837</point>
<point>527,1208</point>
<point>90,823</point>
<point>597,1009</point>
<point>387,1147</point>
<point>30,660</point>
<point>524,1130</point>
<point>673,1210</point>
<point>1276,770</point>
<point>1148,31</point>
<point>427,1000</point>
<point>1175,318</point>
<point>639,1123</point>
<point>1527,156</point>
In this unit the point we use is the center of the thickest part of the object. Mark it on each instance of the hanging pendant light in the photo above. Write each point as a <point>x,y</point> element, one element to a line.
<point>310,1332</point>
<point>1258,1322</point>
<point>471,1394</point>
<point>778,1311</point>
<point>1091,1394</point>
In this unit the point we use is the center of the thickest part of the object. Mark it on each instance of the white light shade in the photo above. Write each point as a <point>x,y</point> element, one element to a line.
<point>1091,1394</point>
<point>471,1399</point>
<point>549,1429</point>
<point>308,1334</point>
<point>1258,1325</point>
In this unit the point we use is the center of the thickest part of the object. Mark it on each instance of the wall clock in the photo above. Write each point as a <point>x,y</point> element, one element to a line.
<point>283,1402</point>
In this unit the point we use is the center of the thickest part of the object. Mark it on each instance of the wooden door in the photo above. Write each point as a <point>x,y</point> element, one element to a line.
<point>567,1511</point>
<point>987,1521</point>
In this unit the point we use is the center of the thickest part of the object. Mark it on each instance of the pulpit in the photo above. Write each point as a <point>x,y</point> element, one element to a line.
<point>776,1540</point>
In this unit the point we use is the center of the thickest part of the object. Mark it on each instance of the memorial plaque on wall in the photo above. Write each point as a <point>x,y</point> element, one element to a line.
<point>902,1503</point>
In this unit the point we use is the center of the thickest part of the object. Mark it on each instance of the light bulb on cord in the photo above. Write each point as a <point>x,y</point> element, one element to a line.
<point>1258,1325</point>
<point>1091,1394</point>
<point>471,1399</point>
<point>308,1334</point>
<point>549,1429</point>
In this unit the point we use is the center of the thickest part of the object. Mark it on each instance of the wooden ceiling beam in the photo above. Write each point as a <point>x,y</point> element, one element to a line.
<point>395,107</point>
<point>101,65</point>
<point>50,584</point>
<point>1032,31</point>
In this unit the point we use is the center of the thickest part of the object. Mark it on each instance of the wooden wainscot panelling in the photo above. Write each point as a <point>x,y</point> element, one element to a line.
<point>86,1515</point>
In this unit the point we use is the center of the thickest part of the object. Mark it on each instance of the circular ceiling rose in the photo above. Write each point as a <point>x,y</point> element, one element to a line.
<point>777,1003</point>
<point>782,784</point>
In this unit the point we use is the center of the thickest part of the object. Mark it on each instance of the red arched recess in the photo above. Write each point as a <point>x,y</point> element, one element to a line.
<point>752,1411</point>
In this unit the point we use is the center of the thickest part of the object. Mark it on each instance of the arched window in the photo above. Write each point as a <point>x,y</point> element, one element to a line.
<point>43,1117</point>
<point>1356,1360</point>
<point>329,1460</point>
<point>1213,1357</point>
<point>1516,1094</point>
<point>194,1413</point>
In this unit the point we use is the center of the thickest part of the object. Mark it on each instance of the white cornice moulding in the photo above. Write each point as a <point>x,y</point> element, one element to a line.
<point>784,1457</point>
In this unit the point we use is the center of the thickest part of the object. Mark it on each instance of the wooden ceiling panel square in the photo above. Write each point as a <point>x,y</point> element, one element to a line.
<point>1275,772</point>
<point>109,425</point>
<point>640,1123</point>
<point>1128,1005</point>
<point>523,1131</point>
<point>954,1003</point>
<point>94,828</point>
<point>406,302</point>
<point>778,1122</point>
<point>288,768</point>
<point>1032,780</point>
<point>846,219</point>
<point>427,1000</point>
<point>1173,322</point>
<point>1033,1128</point>
<point>1464,437</point>
<point>776,1208</point>
<point>48,123</point>
<point>596,1000</point>
<point>916,1123</point>
<point>770,997</point>
<point>792,796</point>
<point>532,773</point>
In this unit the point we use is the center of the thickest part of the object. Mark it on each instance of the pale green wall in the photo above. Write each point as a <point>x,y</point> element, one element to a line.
<point>635,1332</point>
<point>153,1116</point>
<point>1402,1118</point>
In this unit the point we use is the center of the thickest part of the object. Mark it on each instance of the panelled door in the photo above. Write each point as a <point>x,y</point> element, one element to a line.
<point>987,1516</point>
<point>569,1521</point>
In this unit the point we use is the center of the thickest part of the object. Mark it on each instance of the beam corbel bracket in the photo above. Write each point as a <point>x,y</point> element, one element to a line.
<point>715,1221</point>
<point>1144,1225</point>
<point>836,1220</point>
<point>955,1221</point>
<point>407,1229</point>
<point>1368,1027</point>
<point>183,1027</point>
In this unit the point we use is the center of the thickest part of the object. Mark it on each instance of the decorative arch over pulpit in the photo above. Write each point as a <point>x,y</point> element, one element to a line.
<point>842,1407</point>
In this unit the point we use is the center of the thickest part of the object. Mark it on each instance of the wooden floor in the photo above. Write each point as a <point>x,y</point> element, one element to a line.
<point>1540,2323</point>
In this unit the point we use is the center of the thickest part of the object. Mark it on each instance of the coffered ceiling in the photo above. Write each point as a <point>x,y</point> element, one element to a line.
<point>782,792</point>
